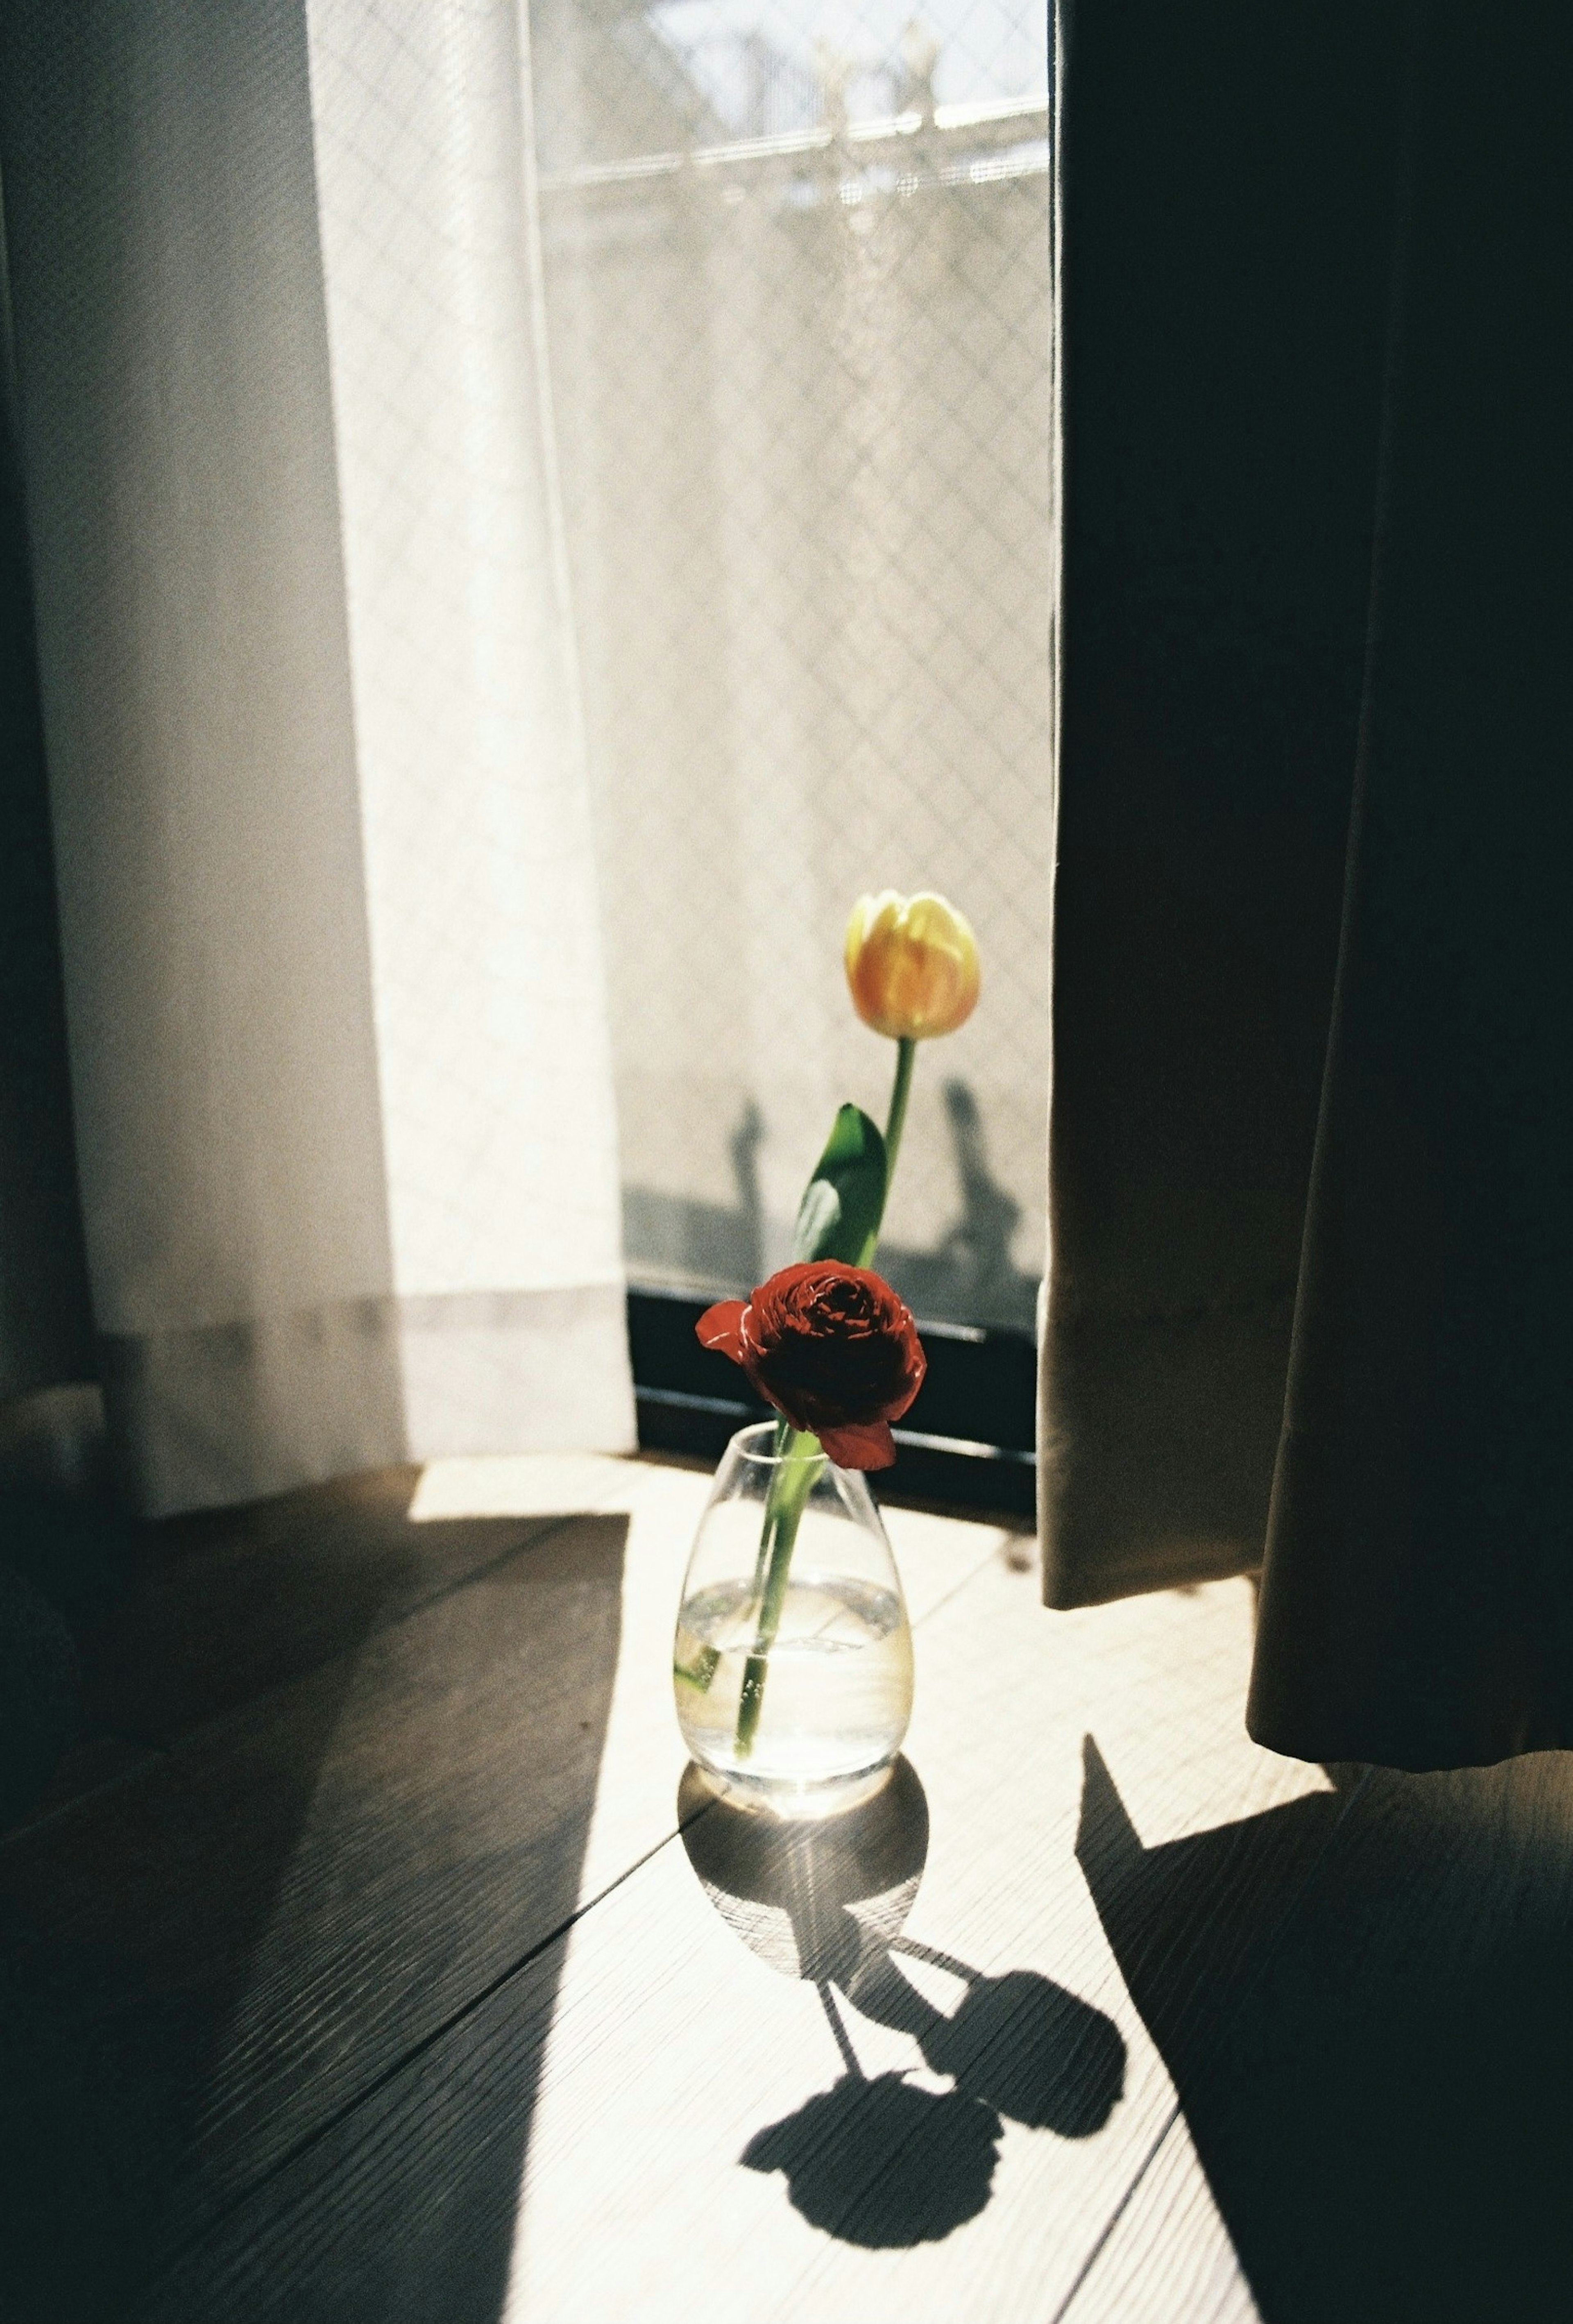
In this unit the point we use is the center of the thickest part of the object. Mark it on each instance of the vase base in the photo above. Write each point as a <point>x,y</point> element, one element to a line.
<point>794,1802</point>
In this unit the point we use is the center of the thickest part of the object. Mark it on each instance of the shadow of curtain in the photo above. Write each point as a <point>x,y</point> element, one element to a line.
<point>1382,2106</point>
<point>207,1969</point>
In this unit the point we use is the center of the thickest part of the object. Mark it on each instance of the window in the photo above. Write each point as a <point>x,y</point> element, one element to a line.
<point>798,270</point>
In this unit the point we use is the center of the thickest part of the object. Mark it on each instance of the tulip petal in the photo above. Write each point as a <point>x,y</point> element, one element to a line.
<point>721,1327</point>
<point>912,964</point>
<point>860,1444</point>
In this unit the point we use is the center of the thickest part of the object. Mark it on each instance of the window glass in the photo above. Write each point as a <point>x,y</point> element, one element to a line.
<point>797,277</point>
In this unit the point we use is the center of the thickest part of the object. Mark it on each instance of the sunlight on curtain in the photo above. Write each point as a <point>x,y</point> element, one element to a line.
<point>487,987</point>
<point>342,1098</point>
<point>797,268</point>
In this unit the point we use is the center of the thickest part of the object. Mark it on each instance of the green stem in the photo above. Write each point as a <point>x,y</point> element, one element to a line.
<point>895,1121</point>
<point>767,1531</point>
<point>790,1487</point>
<point>796,1468</point>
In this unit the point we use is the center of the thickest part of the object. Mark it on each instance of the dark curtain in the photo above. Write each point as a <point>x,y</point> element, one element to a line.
<point>1225,185</point>
<point>1316,799</point>
<point>46,1322</point>
<point>1417,1593</point>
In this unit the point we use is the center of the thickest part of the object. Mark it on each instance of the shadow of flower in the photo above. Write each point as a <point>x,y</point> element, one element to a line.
<point>881,2163</point>
<point>1019,2042</point>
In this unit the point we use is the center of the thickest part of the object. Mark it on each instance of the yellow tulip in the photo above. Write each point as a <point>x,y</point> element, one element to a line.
<point>912,964</point>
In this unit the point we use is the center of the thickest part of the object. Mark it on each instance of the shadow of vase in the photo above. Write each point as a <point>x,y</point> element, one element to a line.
<point>883,2162</point>
<point>816,1900</point>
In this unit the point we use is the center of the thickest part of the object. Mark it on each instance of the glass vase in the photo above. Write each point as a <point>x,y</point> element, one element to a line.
<point>792,1666</point>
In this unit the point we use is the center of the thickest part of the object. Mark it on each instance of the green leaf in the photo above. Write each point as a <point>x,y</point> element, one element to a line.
<point>844,1201</point>
<point>701,1670</point>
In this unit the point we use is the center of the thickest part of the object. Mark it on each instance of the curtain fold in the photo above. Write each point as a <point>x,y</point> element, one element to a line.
<point>46,1322</point>
<point>1224,180</point>
<point>1315,822</point>
<point>344,1123</point>
<point>1417,1604</point>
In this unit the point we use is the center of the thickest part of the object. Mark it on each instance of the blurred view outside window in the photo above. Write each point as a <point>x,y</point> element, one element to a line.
<point>797,280</point>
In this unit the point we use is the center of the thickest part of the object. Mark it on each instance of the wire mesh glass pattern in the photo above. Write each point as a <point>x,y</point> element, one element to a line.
<point>797,282</point>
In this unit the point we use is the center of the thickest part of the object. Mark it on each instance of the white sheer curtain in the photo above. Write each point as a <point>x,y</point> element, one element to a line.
<point>339,1055</point>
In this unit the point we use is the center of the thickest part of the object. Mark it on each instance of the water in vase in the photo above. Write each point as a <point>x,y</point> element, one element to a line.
<point>837,1686</point>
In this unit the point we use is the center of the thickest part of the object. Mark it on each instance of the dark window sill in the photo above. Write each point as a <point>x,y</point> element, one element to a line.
<point>967,1443</point>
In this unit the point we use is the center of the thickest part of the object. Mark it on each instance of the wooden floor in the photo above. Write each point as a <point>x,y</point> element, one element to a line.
<point>377,1962</point>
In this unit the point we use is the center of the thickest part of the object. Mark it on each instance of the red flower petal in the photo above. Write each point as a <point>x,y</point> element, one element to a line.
<point>721,1327</point>
<point>860,1445</point>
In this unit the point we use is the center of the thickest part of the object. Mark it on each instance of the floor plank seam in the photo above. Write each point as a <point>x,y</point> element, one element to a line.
<point>30,1824</point>
<point>504,1977</point>
<point>206,1731</point>
<point>1100,2242</point>
<point>384,1627</point>
<point>391,2073</point>
<point>956,1588</point>
<point>1269,1954</point>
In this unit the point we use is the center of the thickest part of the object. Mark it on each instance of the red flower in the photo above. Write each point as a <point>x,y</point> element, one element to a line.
<point>832,1348</point>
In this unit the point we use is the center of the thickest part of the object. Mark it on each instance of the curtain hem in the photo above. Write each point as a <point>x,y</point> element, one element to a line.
<point>233,1412</point>
<point>1157,1436</point>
